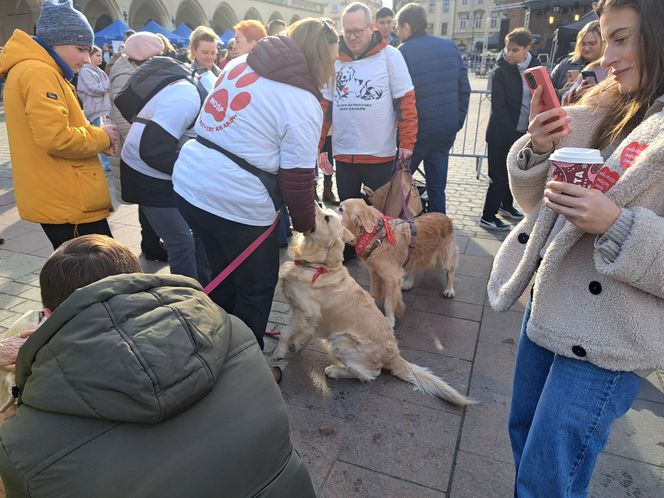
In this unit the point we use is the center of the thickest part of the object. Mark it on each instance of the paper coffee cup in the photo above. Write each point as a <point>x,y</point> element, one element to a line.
<point>577,166</point>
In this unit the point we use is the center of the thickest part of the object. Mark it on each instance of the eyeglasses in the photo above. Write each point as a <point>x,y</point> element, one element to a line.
<point>354,33</point>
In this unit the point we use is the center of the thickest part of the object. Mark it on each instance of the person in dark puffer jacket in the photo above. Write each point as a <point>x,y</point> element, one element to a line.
<point>265,110</point>
<point>138,385</point>
<point>440,78</point>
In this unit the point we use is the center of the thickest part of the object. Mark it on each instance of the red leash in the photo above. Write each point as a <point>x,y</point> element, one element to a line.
<point>240,259</point>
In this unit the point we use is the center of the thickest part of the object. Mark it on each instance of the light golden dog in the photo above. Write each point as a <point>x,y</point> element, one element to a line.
<point>24,326</point>
<point>328,303</point>
<point>435,248</point>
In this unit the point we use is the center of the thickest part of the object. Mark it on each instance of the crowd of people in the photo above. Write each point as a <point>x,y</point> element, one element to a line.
<point>218,158</point>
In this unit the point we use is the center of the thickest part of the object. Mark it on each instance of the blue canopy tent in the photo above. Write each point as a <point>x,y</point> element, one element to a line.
<point>154,27</point>
<point>228,34</point>
<point>113,32</point>
<point>183,31</point>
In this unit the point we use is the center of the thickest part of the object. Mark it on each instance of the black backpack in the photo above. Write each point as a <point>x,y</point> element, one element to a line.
<point>151,77</point>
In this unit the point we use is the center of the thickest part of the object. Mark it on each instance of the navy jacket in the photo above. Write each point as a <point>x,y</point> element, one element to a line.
<point>506,94</point>
<point>442,90</point>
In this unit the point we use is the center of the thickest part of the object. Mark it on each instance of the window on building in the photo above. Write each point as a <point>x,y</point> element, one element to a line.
<point>446,5</point>
<point>463,20</point>
<point>464,2</point>
<point>430,28</point>
<point>479,2</point>
<point>478,21</point>
<point>443,29</point>
<point>494,21</point>
<point>432,6</point>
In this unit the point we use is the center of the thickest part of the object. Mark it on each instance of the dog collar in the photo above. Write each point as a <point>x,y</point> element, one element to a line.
<point>368,241</point>
<point>318,270</point>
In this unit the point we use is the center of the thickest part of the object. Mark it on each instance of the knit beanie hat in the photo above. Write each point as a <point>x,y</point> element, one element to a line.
<point>60,24</point>
<point>143,45</point>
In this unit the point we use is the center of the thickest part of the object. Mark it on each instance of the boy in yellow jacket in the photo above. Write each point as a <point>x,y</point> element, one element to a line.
<point>58,179</point>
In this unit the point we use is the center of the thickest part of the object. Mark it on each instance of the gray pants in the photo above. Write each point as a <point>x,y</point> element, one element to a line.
<point>174,231</point>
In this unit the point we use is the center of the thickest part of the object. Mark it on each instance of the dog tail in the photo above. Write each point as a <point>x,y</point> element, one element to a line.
<point>425,381</point>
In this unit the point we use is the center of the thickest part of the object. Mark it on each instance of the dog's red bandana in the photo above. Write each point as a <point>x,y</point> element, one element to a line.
<point>365,238</point>
<point>318,271</point>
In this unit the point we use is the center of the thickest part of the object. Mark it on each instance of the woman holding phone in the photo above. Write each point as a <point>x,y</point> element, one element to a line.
<point>588,49</point>
<point>596,312</point>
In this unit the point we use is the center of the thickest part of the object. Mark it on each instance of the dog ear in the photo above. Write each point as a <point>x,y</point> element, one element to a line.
<point>366,218</point>
<point>348,236</point>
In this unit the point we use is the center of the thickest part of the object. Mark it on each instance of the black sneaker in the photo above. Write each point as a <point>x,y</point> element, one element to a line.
<point>511,213</point>
<point>155,253</point>
<point>494,224</point>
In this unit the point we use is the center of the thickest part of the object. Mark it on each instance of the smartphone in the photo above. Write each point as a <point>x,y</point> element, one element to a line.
<point>589,76</point>
<point>539,76</point>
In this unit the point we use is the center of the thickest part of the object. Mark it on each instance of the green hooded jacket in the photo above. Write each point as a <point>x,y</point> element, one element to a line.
<point>140,386</point>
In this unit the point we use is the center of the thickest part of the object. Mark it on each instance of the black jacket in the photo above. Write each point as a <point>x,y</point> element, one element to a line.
<point>506,94</point>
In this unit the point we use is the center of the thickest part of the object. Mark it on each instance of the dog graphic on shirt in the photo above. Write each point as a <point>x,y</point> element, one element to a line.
<point>349,86</point>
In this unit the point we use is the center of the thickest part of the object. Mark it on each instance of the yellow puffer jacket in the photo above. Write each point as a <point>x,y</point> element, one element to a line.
<point>57,175</point>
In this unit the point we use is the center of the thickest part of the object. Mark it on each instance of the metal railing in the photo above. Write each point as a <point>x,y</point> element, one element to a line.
<point>470,140</point>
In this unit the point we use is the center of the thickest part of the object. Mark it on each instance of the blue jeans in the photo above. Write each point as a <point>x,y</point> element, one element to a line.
<point>177,237</point>
<point>435,169</point>
<point>561,414</point>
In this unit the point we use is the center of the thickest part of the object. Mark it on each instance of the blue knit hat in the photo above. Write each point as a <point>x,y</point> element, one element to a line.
<point>60,24</point>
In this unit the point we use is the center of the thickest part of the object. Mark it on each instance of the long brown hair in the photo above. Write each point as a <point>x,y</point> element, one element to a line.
<point>314,36</point>
<point>626,111</point>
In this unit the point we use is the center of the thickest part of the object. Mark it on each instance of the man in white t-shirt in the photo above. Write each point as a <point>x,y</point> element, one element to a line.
<point>372,98</point>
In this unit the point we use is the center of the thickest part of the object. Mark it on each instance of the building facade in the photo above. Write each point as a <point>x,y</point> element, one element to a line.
<point>220,15</point>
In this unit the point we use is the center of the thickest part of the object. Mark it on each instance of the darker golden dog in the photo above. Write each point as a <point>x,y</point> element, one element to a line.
<point>387,258</point>
<point>328,303</point>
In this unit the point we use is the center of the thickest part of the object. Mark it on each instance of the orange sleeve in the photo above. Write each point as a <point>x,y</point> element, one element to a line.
<point>327,121</point>
<point>407,121</point>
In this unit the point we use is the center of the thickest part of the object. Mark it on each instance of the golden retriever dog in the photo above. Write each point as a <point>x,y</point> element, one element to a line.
<point>435,248</point>
<point>328,303</point>
<point>24,326</point>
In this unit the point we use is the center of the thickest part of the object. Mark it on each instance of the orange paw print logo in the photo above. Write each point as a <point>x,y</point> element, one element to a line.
<point>218,103</point>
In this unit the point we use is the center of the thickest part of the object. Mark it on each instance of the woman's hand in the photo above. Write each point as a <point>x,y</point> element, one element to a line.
<point>9,348</point>
<point>587,209</point>
<point>545,135</point>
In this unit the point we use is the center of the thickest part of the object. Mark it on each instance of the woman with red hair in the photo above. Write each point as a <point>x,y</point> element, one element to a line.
<point>247,34</point>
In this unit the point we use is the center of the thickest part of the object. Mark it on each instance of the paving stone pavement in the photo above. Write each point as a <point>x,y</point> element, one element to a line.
<point>382,438</point>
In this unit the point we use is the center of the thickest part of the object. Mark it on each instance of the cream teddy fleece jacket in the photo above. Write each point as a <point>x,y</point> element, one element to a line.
<point>597,299</point>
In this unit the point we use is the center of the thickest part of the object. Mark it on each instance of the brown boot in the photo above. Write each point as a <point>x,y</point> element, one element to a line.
<point>328,195</point>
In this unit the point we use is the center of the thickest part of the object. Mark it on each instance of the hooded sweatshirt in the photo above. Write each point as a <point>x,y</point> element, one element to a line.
<point>57,175</point>
<point>139,385</point>
<point>265,109</point>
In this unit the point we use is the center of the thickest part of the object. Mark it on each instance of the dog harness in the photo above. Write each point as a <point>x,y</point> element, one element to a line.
<point>367,242</point>
<point>318,270</point>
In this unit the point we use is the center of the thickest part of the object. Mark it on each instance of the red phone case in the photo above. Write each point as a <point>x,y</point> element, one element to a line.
<point>548,98</point>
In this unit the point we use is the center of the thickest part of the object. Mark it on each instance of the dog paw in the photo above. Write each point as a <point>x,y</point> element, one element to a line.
<point>449,293</point>
<point>406,286</point>
<point>332,371</point>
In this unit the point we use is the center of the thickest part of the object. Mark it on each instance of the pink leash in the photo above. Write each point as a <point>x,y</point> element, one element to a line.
<point>240,259</point>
